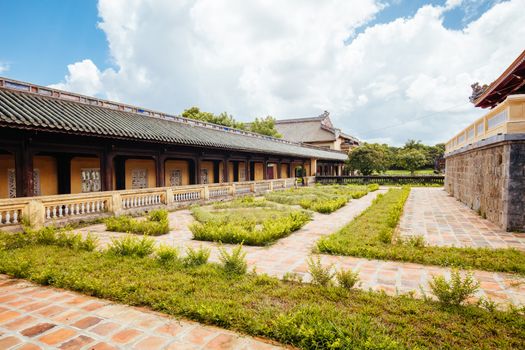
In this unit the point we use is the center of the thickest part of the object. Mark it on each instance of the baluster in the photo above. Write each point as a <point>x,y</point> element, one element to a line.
<point>77,209</point>
<point>82,208</point>
<point>54,211</point>
<point>7,217</point>
<point>87,208</point>
<point>59,211</point>
<point>98,206</point>
<point>15,217</point>
<point>93,207</point>
<point>102,205</point>
<point>66,210</point>
<point>1,218</point>
<point>48,213</point>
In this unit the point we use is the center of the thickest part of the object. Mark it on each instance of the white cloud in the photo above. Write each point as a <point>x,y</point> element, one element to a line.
<point>290,59</point>
<point>4,67</point>
<point>83,77</point>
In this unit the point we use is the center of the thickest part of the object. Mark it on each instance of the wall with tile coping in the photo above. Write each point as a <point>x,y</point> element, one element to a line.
<point>489,177</point>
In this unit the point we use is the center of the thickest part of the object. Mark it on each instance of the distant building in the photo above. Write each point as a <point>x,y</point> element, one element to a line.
<point>316,131</point>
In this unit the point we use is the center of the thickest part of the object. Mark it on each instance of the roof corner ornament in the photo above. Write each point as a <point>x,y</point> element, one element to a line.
<point>477,91</point>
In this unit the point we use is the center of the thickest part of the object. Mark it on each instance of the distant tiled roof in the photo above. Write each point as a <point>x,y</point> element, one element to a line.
<point>30,109</point>
<point>311,129</point>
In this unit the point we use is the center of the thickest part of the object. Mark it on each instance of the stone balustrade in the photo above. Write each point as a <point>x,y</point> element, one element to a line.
<point>506,118</point>
<point>61,209</point>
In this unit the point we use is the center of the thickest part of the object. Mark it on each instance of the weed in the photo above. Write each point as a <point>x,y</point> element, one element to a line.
<point>234,262</point>
<point>320,275</point>
<point>347,279</point>
<point>196,257</point>
<point>167,254</point>
<point>156,224</point>
<point>132,246</point>
<point>417,241</point>
<point>158,215</point>
<point>455,292</point>
<point>292,277</point>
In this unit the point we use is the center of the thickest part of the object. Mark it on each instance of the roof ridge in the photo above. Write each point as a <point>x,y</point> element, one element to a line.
<point>66,96</point>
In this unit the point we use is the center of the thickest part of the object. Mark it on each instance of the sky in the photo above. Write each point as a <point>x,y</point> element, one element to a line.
<point>387,71</point>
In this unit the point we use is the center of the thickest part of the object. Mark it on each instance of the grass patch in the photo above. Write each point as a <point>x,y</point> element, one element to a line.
<point>304,315</point>
<point>247,220</point>
<point>321,198</point>
<point>370,235</point>
<point>155,224</point>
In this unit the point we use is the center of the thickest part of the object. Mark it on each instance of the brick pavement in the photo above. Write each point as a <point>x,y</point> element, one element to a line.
<point>444,221</point>
<point>34,317</point>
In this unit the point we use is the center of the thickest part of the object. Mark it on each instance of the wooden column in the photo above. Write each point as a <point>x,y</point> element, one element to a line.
<point>265,169</point>
<point>106,171</point>
<point>160,162</point>
<point>24,170</point>
<point>247,172</point>
<point>290,170</point>
<point>279,174</point>
<point>197,170</point>
<point>225,170</point>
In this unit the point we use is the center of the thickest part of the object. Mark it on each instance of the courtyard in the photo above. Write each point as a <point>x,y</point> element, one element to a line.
<point>428,213</point>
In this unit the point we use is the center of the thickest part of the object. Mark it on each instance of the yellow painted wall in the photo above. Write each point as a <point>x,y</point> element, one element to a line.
<point>148,164</point>
<point>78,163</point>
<point>7,161</point>
<point>230,172</point>
<point>208,165</point>
<point>182,165</point>
<point>284,171</point>
<point>48,174</point>
<point>242,166</point>
<point>259,171</point>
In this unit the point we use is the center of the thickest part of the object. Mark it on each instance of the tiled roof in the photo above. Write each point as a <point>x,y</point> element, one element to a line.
<point>29,110</point>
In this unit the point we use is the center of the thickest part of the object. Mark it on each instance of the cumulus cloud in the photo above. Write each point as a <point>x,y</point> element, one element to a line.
<point>298,58</point>
<point>83,77</point>
<point>4,67</point>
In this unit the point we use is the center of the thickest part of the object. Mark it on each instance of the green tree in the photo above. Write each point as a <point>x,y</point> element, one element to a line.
<point>411,159</point>
<point>265,126</point>
<point>221,119</point>
<point>368,158</point>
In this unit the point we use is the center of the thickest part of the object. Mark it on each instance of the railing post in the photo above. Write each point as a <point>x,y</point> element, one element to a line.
<point>206,193</point>
<point>116,204</point>
<point>271,186</point>
<point>36,214</point>
<point>169,196</point>
<point>252,187</point>
<point>231,189</point>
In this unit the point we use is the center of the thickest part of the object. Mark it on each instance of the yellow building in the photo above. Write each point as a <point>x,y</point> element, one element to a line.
<point>485,162</point>
<point>56,142</point>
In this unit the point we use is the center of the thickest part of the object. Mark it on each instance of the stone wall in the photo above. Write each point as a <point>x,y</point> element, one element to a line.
<point>490,179</point>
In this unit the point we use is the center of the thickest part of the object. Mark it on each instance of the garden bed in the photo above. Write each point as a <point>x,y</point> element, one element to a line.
<point>155,224</point>
<point>303,315</point>
<point>249,221</point>
<point>371,235</point>
<point>322,199</point>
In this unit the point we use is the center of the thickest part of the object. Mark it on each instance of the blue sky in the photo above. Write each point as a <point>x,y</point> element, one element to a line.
<point>40,38</point>
<point>382,80</point>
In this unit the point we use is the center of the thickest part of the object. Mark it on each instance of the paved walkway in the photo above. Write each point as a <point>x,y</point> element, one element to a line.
<point>290,254</point>
<point>444,221</point>
<point>34,317</point>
